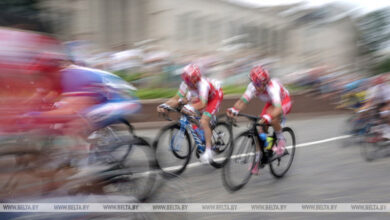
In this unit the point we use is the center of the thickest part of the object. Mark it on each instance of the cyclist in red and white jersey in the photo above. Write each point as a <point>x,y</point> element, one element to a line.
<point>208,94</point>
<point>278,104</point>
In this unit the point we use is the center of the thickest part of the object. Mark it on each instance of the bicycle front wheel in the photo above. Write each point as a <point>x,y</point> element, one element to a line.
<point>222,138</point>
<point>137,174</point>
<point>172,150</point>
<point>280,165</point>
<point>237,171</point>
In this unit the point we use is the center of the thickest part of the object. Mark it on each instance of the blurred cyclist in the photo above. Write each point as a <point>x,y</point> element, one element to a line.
<point>210,96</point>
<point>278,104</point>
<point>95,95</point>
<point>378,98</point>
<point>89,99</point>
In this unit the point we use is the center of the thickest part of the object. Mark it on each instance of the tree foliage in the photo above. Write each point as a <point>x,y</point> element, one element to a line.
<point>24,14</point>
<point>374,31</point>
<point>383,66</point>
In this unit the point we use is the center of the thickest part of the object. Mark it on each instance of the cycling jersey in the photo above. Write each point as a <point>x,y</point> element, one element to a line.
<point>102,85</point>
<point>206,89</point>
<point>111,92</point>
<point>379,94</point>
<point>274,93</point>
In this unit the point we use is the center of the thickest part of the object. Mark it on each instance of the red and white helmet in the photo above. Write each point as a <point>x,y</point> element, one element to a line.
<point>191,75</point>
<point>259,76</point>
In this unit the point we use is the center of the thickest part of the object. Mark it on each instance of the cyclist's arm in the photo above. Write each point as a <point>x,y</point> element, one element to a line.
<point>245,98</point>
<point>174,101</point>
<point>199,105</point>
<point>240,105</point>
<point>51,97</point>
<point>179,97</point>
<point>71,105</point>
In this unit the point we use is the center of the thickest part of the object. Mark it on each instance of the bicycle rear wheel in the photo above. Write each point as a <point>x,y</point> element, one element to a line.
<point>237,171</point>
<point>137,174</point>
<point>172,150</point>
<point>222,138</point>
<point>374,147</point>
<point>280,165</point>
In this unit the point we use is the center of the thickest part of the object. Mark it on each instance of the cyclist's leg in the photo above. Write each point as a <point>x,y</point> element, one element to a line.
<point>205,124</point>
<point>255,168</point>
<point>276,124</point>
<point>209,112</point>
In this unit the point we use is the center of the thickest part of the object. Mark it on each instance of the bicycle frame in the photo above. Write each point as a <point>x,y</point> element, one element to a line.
<point>185,124</point>
<point>265,158</point>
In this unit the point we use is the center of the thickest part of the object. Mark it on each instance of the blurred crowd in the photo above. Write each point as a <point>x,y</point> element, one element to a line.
<point>344,89</point>
<point>148,65</point>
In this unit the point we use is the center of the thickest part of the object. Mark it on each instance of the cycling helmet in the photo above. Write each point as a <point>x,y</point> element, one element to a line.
<point>259,76</point>
<point>191,75</point>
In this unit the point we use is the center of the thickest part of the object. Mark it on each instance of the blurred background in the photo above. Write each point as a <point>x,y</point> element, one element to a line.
<point>146,41</point>
<point>327,53</point>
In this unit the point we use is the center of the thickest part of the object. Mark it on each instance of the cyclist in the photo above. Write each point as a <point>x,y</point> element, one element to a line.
<point>278,104</point>
<point>89,99</point>
<point>209,95</point>
<point>378,98</point>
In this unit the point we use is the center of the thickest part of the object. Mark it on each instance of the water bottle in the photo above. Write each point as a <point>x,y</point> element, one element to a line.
<point>201,148</point>
<point>199,132</point>
<point>178,140</point>
<point>263,138</point>
<point>201,135</point>
<point>270,142</point>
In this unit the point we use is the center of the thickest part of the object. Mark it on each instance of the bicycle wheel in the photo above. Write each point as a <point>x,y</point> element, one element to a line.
<point>137,174</point>
<point>237,170</point>
<point>373,146</point>
<point>172,150</point>
<point>222,139</point>
<point>110,144</point>
<point>281,165</point>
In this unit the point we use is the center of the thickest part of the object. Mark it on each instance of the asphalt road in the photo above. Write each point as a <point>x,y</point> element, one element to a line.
<point>332,171</point>
<point>328,168</point>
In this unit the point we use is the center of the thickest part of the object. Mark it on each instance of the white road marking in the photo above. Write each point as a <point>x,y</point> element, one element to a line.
<point>196,164</point>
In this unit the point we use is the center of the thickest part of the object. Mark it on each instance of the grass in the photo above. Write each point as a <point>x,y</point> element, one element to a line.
<point>155,93</point>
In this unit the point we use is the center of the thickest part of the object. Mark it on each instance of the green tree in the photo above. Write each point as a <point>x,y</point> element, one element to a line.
<point>24,14</point>
<point>374,31</point>
<point>383,66</point>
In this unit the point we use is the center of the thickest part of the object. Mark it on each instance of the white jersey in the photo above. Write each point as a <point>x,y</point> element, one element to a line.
<point>379,93</point>
<point>274,93</point>
<point>206,89</point>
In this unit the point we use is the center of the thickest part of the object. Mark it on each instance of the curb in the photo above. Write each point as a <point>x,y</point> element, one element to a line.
<point>293,116</point>
<point>161,100</point>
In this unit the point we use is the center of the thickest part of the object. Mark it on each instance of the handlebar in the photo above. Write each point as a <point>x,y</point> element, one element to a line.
<point>178,110</point>
<point>250,117</point>
<point>254,120</point>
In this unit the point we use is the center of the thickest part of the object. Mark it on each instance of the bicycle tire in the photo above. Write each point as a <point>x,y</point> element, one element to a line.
<point>291,153</point>
<point>172,171</point>
<point>227,148</point>
<point>137,174</point>
<point>110,146</point>
<point>240,154</point>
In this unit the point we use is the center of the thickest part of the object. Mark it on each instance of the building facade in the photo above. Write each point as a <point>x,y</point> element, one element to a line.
<point>300,40</point>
